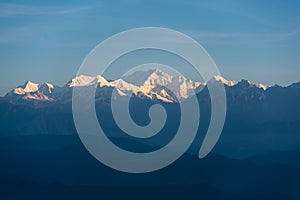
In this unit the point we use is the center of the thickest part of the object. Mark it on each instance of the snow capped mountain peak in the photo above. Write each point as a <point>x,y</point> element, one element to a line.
<point>264,87</point>
<point>84,80</point>
<point>247,83</point>
<point>157,84</point>
<point>46,88</point>
<point>155,92</point>
<point>49,85</point>
<point>224,81</point>
<point>243,82</point>
<point>30,86</point>
<point>26,88</point>
<point>184,88</point>
<point>122,85</point>
<point>158,77</point>
<point>32,91</point>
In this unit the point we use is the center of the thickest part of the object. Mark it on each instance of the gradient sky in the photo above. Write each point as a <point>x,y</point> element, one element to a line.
<point>47,40</point>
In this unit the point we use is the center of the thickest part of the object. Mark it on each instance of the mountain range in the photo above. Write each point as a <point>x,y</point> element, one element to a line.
<point>153,84</point>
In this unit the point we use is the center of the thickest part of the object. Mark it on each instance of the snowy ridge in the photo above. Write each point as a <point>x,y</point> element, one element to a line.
<point>224,81</point>
<point>26,88</point>
<point>83,80</point>
<point>158,77</point>
<point>264,87</point>
<point>152,84</point>
<point>32,91</point>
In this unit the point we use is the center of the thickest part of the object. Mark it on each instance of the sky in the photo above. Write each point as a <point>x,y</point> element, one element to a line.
<point>46,41</point>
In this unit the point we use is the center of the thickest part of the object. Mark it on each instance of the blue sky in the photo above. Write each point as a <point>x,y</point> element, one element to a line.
<point>48,40</point>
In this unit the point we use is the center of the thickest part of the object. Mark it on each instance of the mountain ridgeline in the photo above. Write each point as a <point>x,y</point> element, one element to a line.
<point>152,84</point>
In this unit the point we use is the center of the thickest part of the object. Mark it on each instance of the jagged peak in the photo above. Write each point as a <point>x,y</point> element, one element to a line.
<point>158,71</point>
<point>158,77</point>
<point>27,87</point>
<point>264,87</point>
<point>224,81</point>
<point>46,88</point>
<point>247,83</point>
<point>121,84</point>
<point>47,85</point>
<point>84,80</point>
<point>30,85</point>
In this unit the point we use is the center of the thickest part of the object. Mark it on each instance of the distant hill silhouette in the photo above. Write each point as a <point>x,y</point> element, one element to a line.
<point>32,166</point>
